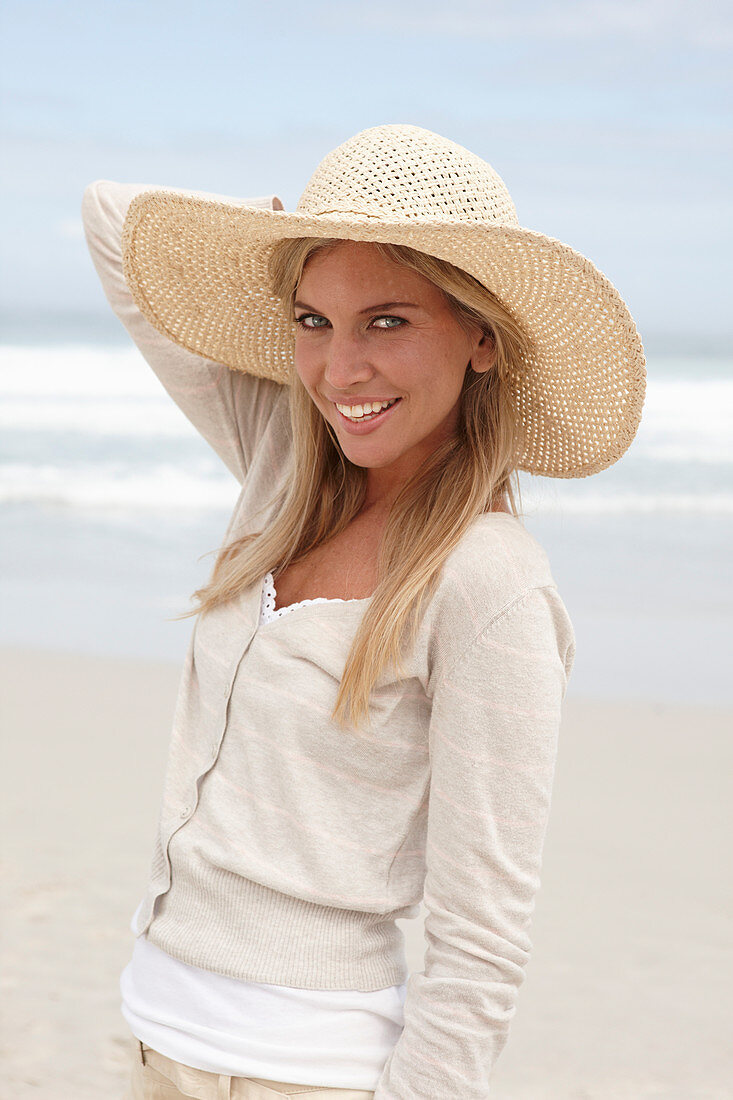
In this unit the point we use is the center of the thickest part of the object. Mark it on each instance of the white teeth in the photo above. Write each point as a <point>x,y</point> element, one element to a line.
<point>357,412</point>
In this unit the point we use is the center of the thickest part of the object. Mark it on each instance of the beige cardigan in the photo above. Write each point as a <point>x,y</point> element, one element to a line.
<point>286,846</point>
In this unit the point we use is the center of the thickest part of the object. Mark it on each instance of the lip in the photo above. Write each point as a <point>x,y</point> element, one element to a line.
<point>362,400</point>
<point>354,428</point>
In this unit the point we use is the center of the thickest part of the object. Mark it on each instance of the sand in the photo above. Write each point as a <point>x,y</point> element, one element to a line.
<point>628,991</point>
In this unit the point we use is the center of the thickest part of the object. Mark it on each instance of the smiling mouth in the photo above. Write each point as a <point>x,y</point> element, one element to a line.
<point>368,411</point>
<point>366,424</point>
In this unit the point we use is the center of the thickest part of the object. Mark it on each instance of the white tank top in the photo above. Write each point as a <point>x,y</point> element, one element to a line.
<point>330,1037</point>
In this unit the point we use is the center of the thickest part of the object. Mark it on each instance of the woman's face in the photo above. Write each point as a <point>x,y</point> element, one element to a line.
<point>372,330</point>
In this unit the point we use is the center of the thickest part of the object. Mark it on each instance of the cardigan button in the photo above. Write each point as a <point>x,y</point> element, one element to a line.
<point>185,811</point>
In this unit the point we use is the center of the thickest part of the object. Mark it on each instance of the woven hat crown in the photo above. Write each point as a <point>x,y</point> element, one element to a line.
<point>401,171</point>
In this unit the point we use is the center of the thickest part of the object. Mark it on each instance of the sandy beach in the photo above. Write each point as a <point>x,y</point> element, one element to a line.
<point>627,993</point>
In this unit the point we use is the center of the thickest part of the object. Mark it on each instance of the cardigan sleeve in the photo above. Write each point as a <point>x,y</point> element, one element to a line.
<point>493,738</point>
<point>228,408</point>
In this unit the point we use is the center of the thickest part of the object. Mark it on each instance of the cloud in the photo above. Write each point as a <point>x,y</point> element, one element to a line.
<point>706,23</point>
<point>69,227</point>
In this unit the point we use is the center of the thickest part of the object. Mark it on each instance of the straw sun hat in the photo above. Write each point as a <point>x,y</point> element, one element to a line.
<point>197,269</point>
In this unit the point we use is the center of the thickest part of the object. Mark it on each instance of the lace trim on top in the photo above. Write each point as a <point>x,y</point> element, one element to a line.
<point>268,610</point>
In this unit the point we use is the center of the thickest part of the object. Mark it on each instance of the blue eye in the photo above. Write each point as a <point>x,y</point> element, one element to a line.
<point>307,316</point>
<point>304,316</point>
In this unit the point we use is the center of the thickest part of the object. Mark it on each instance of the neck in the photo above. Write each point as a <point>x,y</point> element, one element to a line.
<point>378,505</point>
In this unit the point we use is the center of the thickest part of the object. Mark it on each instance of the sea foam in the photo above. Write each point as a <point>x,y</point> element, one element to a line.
<point>92,428</point>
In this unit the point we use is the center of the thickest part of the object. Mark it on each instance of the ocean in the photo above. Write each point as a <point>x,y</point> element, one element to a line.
<point>111,507</point>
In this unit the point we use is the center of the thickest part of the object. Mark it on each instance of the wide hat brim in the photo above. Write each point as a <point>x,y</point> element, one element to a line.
<point>197,270</point>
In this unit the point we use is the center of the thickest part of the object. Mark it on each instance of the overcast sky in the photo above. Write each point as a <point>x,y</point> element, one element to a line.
<point>610,122</point>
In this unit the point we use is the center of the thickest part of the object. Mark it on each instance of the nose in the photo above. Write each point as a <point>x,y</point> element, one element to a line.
<point>346,361</point>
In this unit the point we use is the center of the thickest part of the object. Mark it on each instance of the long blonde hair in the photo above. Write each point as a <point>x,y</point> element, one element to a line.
<point>465,477</point>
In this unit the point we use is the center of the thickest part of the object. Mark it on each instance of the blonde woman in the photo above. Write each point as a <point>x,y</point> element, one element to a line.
<point>369,708</point>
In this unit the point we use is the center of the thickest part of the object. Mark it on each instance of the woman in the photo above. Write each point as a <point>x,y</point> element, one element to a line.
<point>369,708</point>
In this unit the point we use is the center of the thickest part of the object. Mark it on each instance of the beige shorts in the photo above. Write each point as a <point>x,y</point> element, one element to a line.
<point>155,1077</point>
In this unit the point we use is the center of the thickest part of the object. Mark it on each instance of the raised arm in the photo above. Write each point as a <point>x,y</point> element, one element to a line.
<point>493,742</point>
<point>229,409</point>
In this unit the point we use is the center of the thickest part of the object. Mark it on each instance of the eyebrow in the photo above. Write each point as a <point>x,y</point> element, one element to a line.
<point>369,309</point>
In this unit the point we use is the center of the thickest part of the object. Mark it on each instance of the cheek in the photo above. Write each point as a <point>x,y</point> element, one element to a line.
<point>305,365</point>
<point>438,376</point>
